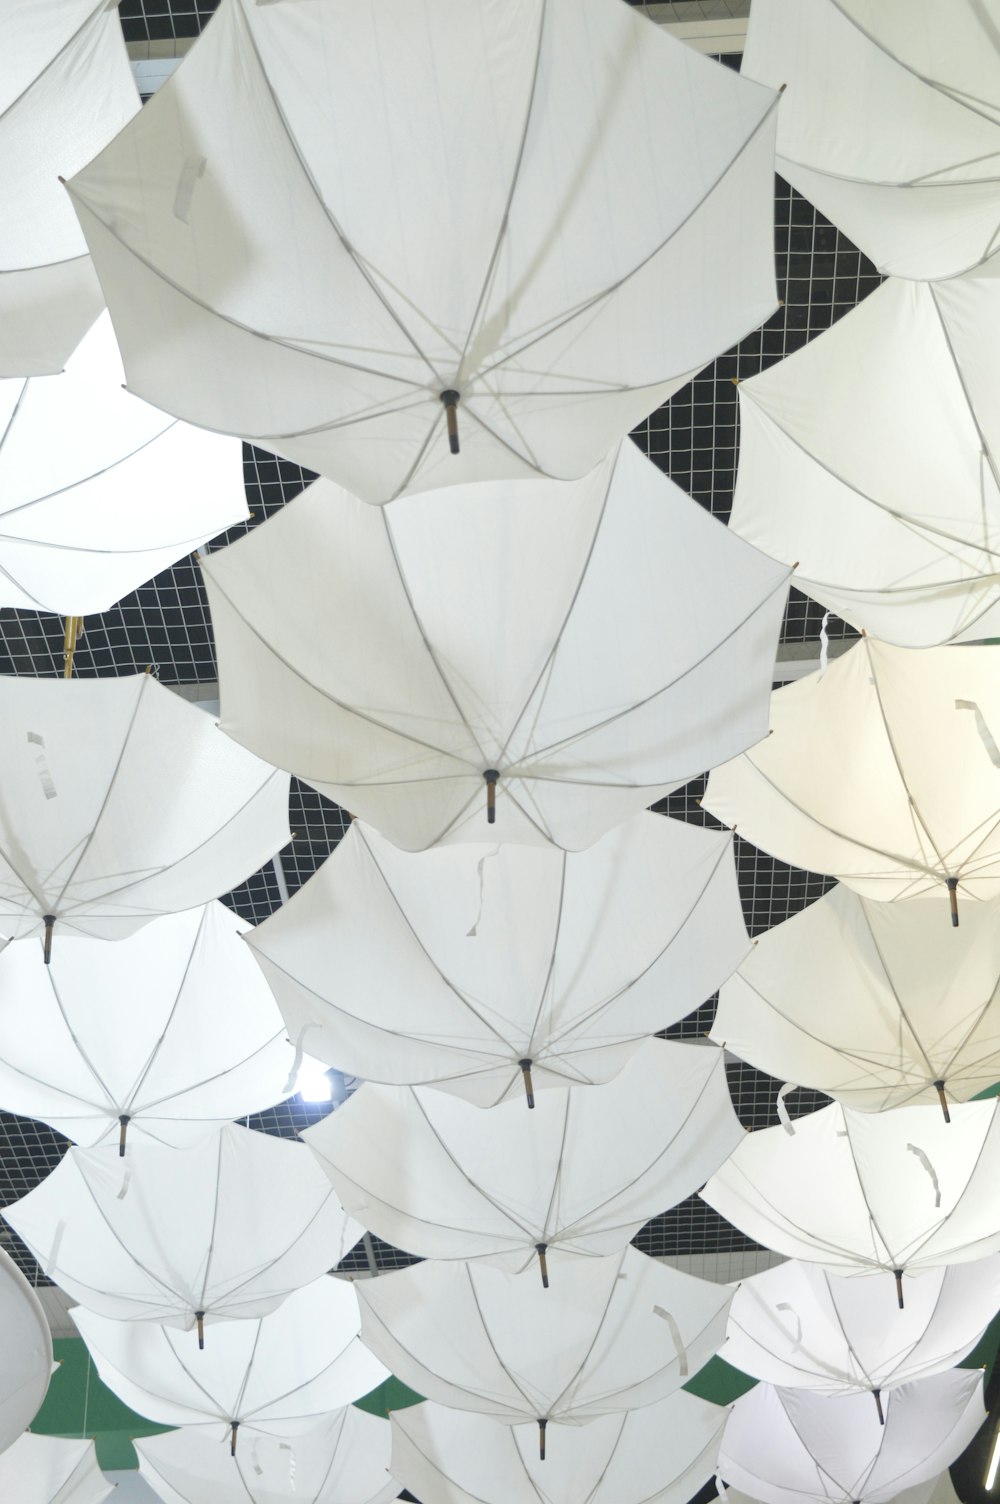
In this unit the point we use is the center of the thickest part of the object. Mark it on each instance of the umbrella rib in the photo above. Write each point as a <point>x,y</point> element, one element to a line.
<point>99,1081</point>
<point>949,346</point>
<point>622,1423</point>
<point>916,816</point>
<point>325,208</point>
<point>903,1013</point>
<point>214,1222</point>
<point>491,265</point>
<point>607,292</point>
<point>202,1081</point>
<point>14,412</point>
<point>150,1273</point>
<point>507,1373</point>
<point>578,1376</point>
<point>556,936</point>
<point>63,47</point>
<point>480,1190</point>
<point>431,651</point>
<point>899,1259</point>
<point>551,1211</point>
<point>144,1072</point>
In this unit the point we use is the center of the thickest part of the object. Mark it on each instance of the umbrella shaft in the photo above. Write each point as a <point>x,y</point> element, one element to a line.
<point>491,775</point>
<point>878,1406</point>
<point>74,629</point>
<point>541,1439</point>
<point>232,1437</point>
<point>899,1286</point>
<point>451,400</point>
<point>528,1088</point>
<point>939,1088</point>
<point>49,921</point>
<point>199,1317</point>
<point>953,900</point>
<point>123,1122</point>
<point>540,1249</point>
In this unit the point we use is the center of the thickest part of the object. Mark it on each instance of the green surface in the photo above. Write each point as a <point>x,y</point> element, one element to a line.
<point>78,1404</point>
<point>392,1394</point>
<point>719,1382</point>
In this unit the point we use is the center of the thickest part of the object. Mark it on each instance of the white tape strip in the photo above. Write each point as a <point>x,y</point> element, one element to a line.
<point>985,735</point>
<point>192,170</point>
<point>782,1110</point>
<point>675,1332</point>
<point>471,934</point>
<point>930,1170</point>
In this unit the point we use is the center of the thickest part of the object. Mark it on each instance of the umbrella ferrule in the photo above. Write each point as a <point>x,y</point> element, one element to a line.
<point>492,776</point>
<point>939,1088</point>
<point>541,1249</point>
<point>123,1123</point>
<point>541,1438</point>
<point>199,1317</point>
<point>49,921</point>
<point>529,1090</point>
<point>234,1427</point>
<point>898,1273</point>
<point>878,1406</point>
<point>952,884</point>
<point>451,399</point>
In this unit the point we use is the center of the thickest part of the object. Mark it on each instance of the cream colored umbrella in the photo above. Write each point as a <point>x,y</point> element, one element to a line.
<point>217,1232</point>
<point>872,1003</point>
<point>578,1176</point>
<point>612,1334</point>
<point>883,771</point>
<point>857,1192</point>
<point>362,650</point>
<point>660,1454</point>
<point>277,1376</point>
<point>498,264</point>
<point>52,1470</point>
<point>802,1328</point>
<point>493,971</point>
<point>890,122</point>
<point>122,801</point>
<point>65,89</point>
<point>342,1460</point>
<point>87,1048</point>
<point>787,1446</point>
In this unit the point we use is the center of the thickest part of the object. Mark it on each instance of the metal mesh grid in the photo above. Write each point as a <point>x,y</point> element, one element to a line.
<point>694,439</point>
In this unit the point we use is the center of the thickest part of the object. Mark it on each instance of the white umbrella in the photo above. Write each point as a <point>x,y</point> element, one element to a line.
<point>580,1175</point>
<point>661,1454</point>
<point>871,1002</point>
<point>360,649</point>
<point>900,1191</point>
<point>65,89</point>
<point>490,971</point>
<point>881,484</point>
<point>26,1363</point>
<point>500,249</point>
<point>343,1460</point>
<point>883,771</point>
<point>216,1232</point>
<point>612,1334</point>
<point>121,802</point>
<point>52,1470</point>
<point>787,1446</point>
<point>124,492</point>
<point>800,1327</point>
<point>938,1490</point>
<point>890,123</point>
<point>201,1042</point>
<point>280,1375</point>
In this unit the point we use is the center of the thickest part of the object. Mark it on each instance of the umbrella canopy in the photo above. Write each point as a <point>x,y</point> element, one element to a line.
<point>787,1446</point>
<point>890,123</point>
<point>65,89</point>
<point>873,1003</point>
<point>499,251</point>
<point>578,1176</point>
<point>52,1470</point>
<point>216,1232</point>
<point>798,1326</point>
<point>612,1334</point>
<point>939,1490</point>
<point>901,1191</point>
<point>124,493</point>
<point>199,1042</point>
<point>491,970</point>
<point>121,802</point>
<point>343,1460</point>
<point>661,1454</point>
<point>869,459</point>
<point>26,1363</point>
<point>280,1375</point>
<point>360,649</point>
<point>882,771</point>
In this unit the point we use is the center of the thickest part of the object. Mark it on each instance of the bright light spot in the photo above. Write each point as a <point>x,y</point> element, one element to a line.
<point>312,1082</point>
<point>991,1474</point>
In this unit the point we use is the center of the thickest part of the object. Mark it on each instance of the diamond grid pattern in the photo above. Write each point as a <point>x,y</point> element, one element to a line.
<point>694,438</point>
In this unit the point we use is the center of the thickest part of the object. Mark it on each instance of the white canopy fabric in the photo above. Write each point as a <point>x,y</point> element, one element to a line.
<point>883,771</point>
<point>939,1490</point>
<point>798,1326</point>
<point>876,1004</point>
<point>579,1175</point>
<point>280,1375</point>
<point>87,1048</point>
<point>890,122</point>
<point>343,1460</point>
<point>900,1191</point>
<point>501,233</point>
<point>187,1237</point>
<point>360,649</point>
<point>787,1446</point>
<point>52,1470</point>
<point>121,802</point>
<point>65,89</point>
<point>124,492</point>
<point>26,1361</point>
<point>660,1454</point>
<point>491,971</point>
<point>611,1334</point>
<point>869,459</point>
